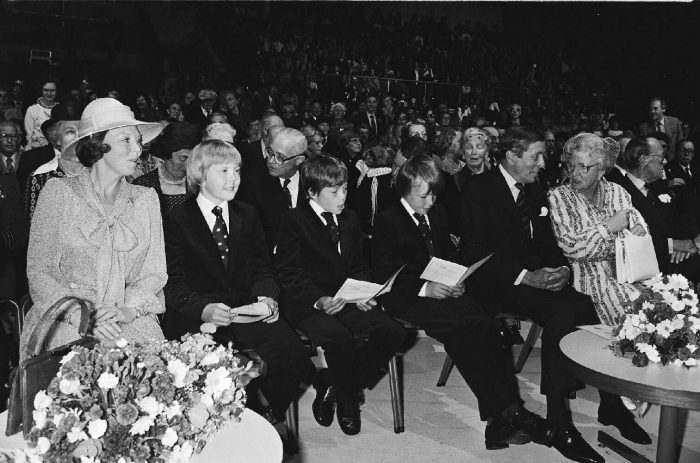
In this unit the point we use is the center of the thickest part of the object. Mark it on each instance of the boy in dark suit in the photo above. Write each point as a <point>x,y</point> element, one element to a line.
<point>319,246</point>
<point>410,234</point>
<point>217,261</point>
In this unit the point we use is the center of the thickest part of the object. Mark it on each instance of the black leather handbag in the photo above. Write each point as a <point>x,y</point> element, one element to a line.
<point>40,367</point>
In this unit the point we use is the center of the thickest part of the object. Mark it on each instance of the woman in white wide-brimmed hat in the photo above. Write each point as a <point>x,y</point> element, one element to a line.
<point>99,238</point>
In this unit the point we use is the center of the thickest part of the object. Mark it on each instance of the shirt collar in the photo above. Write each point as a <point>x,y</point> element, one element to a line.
<point>293,180</point>
<point>319,210</point>
<point>509,178</point>
<point>637,182</point>
<point>206,205</point>
<point>410,211</point>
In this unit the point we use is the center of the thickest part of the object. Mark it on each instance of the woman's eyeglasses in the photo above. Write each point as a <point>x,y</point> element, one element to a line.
<point>583,168</point>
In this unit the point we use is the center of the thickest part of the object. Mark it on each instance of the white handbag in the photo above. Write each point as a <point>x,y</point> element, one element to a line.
<point>635,259</point>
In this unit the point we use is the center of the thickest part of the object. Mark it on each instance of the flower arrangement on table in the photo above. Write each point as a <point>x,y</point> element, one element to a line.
<point>158,402</point>
<point>661,325</point>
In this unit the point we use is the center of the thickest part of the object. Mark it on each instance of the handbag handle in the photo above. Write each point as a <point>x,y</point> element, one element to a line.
<point>37,340</point>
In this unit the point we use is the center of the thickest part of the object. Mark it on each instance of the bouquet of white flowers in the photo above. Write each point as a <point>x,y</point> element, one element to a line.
<point>662,324</point>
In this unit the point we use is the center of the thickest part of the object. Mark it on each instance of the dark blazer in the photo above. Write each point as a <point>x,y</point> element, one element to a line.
<point>665,220</point>
<point>675,170</point>
<point>30,161</point>
<point>491,223</point>
<point>673,129</point>
<point>194,115</point>
<point>252,165</point>
<point>14,233</point>
<point>266,194</point>
<point>615,175</point>
<point>363,118</point>
<point>196,273</point>
<point>307,260</point>
<point>398,241</point>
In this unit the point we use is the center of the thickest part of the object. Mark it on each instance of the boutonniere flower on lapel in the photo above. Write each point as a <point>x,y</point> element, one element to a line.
<point>544,211</point>
<point>664,198</point>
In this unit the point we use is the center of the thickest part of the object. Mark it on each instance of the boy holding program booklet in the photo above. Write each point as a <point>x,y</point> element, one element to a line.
<point>411,234</point>
<point>319,246</point>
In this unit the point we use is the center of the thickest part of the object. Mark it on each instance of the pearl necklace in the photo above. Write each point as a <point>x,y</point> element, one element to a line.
<point>161,174</point>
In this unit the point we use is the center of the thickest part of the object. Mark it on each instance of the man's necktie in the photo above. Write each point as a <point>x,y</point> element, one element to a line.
<point>524,210</point>
<point>287,193</point>
<point>9,165</point>
<point>331,226</point>
<point>425,231</point>
<point>220,233</point>
<point>687,171</point>
<point>659,128</point>
<point>372,124</point>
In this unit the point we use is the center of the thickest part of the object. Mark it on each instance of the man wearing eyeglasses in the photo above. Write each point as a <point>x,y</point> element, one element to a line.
<point>278,190</point>
<point>9,147</point>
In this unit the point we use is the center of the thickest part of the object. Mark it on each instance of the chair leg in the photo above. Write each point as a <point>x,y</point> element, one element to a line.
<point>530,341</point>
<point>446,370</point>
<point>396,399</point>
<point>292,419</point>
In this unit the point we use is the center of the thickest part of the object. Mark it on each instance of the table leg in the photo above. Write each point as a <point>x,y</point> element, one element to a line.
<point>666,450</point>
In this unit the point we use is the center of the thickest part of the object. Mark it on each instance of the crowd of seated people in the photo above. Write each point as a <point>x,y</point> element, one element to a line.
<point>281,207</point>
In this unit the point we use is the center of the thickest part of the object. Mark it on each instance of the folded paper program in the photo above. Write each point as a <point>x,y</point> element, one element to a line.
<point>448,273</point>
<point>354,291</point>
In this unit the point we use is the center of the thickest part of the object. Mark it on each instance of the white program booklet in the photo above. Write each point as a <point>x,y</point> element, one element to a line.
<point>354,291</point>
<point>604,331</point>
<point>448,273</point>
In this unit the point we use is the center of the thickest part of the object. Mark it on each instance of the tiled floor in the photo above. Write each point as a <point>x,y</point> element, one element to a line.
<point>442,424</point>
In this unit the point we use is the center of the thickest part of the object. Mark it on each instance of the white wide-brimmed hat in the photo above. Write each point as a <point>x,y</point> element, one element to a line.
<point>105,114</point>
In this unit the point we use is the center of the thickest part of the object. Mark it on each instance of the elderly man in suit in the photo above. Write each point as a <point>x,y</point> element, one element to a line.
<point>504,211</point>
<point>9,147</point>
<point>217,263</point>
<point>680,167</point>
<point>410,234</point>
<point>660,122</point>
<point>669,212</point>
<point>279,187</point>
<point>319,246</point>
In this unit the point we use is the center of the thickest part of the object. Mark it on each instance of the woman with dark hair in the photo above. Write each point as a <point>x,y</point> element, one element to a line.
<point>144,111</point>
<point>97,237</point>
<point>39,113</point>
<point>173,146</point>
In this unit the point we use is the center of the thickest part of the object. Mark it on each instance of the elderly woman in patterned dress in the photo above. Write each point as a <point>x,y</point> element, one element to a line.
<point>588,213</point>
<point>99,238</point>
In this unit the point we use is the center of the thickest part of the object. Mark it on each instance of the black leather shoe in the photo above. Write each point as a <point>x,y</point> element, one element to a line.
<point>501,432</point>
<point>569,443</point>
<point>349,417</point>
<point>323,406</point>
<point>542,431</point>
<point>625,423</point>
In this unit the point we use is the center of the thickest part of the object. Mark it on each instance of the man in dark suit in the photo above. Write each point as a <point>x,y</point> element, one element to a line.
<point>504,211</point>
<point>668,212</point>
<point>9,147</point>
<point>254,156</point>
<point>680,167</point>
<point>371,118</point>
<point>319,246</point>
<point>279,188</point>
<point>410,234</point>
<point>217,262</point>
<point>199,111</point>
<point>660,122</point>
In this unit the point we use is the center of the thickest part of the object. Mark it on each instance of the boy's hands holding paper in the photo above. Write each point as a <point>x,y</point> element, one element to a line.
<point>329,305</point>
<point>440,291</point>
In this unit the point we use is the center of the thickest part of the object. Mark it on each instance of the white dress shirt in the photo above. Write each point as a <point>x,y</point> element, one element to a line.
<point>514,191</point>
<point>293,187</point>
<point>206,206</point>
<point>410,211</point>
<point>319,210</point>
<point>640,185</point>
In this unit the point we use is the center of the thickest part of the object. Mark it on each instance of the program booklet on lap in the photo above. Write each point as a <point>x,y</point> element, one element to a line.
<point>448,273</point>
<point>354,291</point>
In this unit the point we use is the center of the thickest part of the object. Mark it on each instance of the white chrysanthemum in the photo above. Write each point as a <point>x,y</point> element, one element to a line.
<point>217,382</point>
<point>677,282</point>
<point>173,410</point>
<point>169,437</point>
<point>678,306</point>
<point>691,362</point>
<point>150,405</point>
<point>178,369</point>
<point>42,400</point>
<point>121,343</point>
<point>39,417</point>
<point>650,351</point>
<point>211,358</point>
<point>107,381</point>
<point>97,428</point>
<point>57,418</point>
<point>207,400</point>
<point>67,358</point>
<point>141,425</point>
<point>76,434</point>
<point>694,324</point>
<point>181,453</point>
<point>43,444</point>
<point>84,459</point>
<point>69,386</point>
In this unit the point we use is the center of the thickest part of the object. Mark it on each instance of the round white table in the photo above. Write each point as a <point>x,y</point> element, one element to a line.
<point>252,440</point>
<point>674,388</point>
